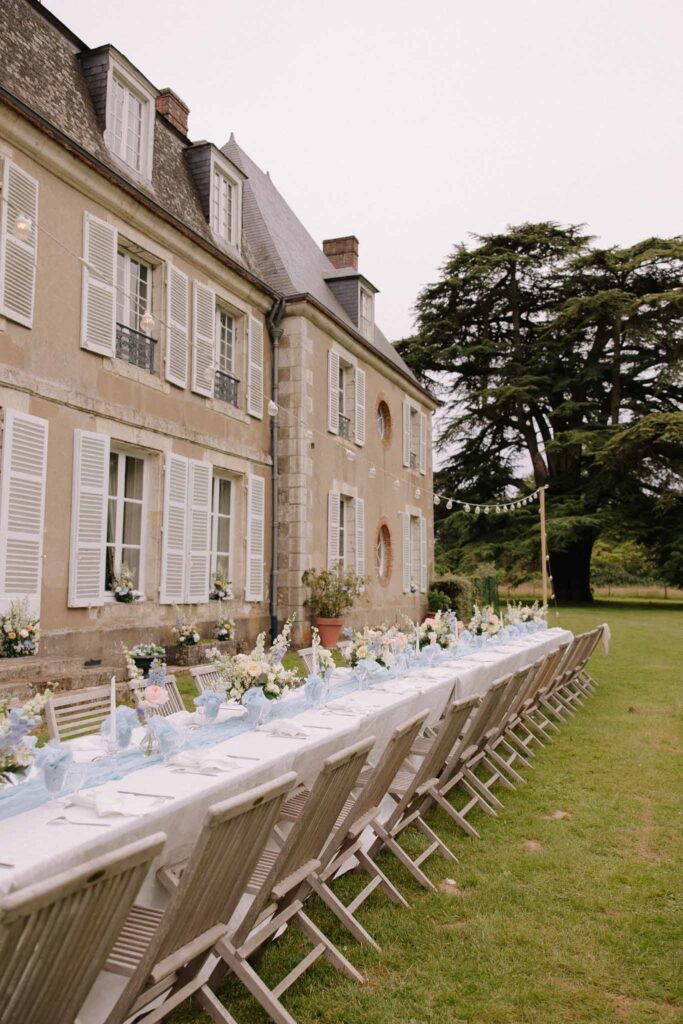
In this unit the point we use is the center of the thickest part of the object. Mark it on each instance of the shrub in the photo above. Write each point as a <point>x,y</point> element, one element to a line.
<point>332,591</point>
<point>460,592</point>
<point>438,601</point>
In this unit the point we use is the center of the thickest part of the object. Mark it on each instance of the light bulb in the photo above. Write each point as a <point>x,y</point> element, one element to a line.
<point>372,472</point>
<point>309,435</point>
<point>23,226</point>
<point>273,409</point>
<point>486,510</point>
<point>437,499</point>
<point>397,484</point>
<point>449,504</point>
<point>498,509</point>
<point>477,511</point>
<point>147,323</point>
<point>350,455</point>
<point>418,492</point>
<point>467,508</point>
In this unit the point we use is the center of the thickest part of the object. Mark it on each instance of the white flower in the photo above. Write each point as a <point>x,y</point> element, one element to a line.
<point>362,651</point>
<point>254,669</point>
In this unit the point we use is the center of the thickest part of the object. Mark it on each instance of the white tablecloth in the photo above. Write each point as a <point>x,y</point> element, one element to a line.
<point>32,850</point>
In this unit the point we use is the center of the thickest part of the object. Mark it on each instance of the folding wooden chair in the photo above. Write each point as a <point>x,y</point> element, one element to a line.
<point>208,677</point>
<point>350,832</point>
<point>279,887</point>
<point>78,712</point>
<point>517,732</point>
<point>306,655</point>
<point>137,686</point>
<point>414,790</point>
<point>166,953</point>
<point>56,935</point>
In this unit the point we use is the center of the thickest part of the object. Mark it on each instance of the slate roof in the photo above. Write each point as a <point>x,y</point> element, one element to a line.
<point>285,253</point>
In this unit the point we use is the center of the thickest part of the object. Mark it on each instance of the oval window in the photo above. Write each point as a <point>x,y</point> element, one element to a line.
<point>383,422</point>
<point>383,555</point>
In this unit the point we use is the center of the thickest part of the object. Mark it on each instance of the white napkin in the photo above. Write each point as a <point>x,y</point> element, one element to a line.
<point>93,742</point>
<point>105,803</point>
<point>201,759</point>
<point>282,727</point>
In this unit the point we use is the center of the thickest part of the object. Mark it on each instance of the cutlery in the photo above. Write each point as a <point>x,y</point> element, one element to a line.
<point>135,792</point>
<point>63,820</point>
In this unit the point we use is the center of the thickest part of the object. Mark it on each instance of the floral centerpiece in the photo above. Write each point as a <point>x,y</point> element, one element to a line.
<point>224,629</point>
<point>19,631</point>
<point>124,587</point>
<point>443,629</point>
<point>17,747</point>
<point>221,589</point>
<point>332,592</point>
<point>485,622</point>
<point>324,663</point>
<point>520,613</point>
<point>260,668</point>
<point>374,644</point>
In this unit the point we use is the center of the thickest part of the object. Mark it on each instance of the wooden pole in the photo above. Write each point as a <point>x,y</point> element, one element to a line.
<point>544,546</point>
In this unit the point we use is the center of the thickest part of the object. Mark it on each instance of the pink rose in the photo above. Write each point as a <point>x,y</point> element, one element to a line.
<point>156,695</point>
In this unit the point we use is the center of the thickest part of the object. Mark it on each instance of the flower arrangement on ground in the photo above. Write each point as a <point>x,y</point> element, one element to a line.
<point>243,672</point>
<point>185,631</point>
<point>17,747</point>
<point>139,659</point>
<point>224,629</point>
<point>124,587</point>
<point>221,589</point>
<point>485,622</point>
<point>519,613</point>
<point>19,631</point>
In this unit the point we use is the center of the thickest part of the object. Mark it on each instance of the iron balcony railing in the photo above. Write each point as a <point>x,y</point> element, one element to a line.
<point>226,387</point>
<point>344,427</point>
<point>135,348</point>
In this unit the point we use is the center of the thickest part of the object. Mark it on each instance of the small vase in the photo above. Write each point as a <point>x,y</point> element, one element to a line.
<point>149,744</point>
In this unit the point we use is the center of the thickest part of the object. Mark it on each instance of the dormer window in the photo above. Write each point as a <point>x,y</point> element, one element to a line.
<point>127,111</point>
<point>130,110</point>
<point>367,313</point>
<point>223,206</point>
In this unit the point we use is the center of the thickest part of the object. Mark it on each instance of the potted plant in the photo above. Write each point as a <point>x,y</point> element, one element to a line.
<point>19,631</point>
<point>124,587</point>
<point>332,592</point>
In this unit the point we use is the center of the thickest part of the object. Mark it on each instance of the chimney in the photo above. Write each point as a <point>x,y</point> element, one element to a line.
<point>342,252</point>
<point>170,106</point>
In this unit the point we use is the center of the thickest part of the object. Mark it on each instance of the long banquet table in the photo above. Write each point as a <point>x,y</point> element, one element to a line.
<point>32,848</point>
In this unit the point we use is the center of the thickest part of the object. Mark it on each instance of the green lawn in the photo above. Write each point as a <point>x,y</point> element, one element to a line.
<point>584,923</point>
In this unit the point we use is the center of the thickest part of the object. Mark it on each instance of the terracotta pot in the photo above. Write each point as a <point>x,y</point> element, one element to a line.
<point>430,615</point>
<point>330,630</point>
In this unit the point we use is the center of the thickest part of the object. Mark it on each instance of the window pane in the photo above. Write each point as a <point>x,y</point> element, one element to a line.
<point>223,534</point>
<point>111,521</point>
<point>134,474</point>
<point>113,472</point>
<point>109,569</point>
<point>222,565</point>
<point>131,558</point>
<point>120,287</point>
<point>132,522</point>
<point>224,497</point>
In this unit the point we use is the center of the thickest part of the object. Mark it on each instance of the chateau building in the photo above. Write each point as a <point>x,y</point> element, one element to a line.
<point>190,386</point>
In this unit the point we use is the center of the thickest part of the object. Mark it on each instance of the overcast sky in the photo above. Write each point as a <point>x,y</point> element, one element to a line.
<point>413,123</point>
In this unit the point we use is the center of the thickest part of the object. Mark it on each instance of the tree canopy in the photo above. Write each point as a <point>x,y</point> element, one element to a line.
<point>559,364</point>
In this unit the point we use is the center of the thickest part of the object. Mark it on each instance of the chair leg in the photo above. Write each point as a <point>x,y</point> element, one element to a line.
<point>367,864</point>
<point>484,797</point>
<point>342,912</point>
<point>458,818</point>
<point>330,951</point>
<point>242,969</point>
<point>502,763</point>
<point>391,844</point>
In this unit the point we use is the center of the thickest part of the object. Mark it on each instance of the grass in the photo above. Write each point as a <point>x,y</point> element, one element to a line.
<point>584,927</point>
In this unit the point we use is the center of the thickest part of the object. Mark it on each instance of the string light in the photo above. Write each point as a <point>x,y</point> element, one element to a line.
<point>273,408</point>
<point>449,504</point>
<point>147,323</point>
<point>437,499</point>
<point>397,484</point>
<point>23,226</point>
<point>418,493</point>
<point>372,472</point>
<point>351,456</point>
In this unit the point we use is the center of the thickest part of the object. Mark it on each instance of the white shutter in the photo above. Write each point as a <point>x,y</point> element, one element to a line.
<point>256,521</point>
<point>255,372</point>
<point>199,532</point>
<point>177,327</point>
<point>203,340</point>
<point>98,310</point>
<point>333,392</point>
<point>22,508</point>
<point>359,505</point>
<point>406,434</point>
<point>359,382</point>
<point>88,519</point>
<point>423,554</point>
<point>422,462</point>
<point>333,513</point>
<point>174,538</point>
<point>18,257</point>
<point>407,568</point>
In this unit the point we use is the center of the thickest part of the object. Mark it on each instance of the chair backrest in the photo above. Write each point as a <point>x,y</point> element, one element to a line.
<point>306,655</point>
<point>78,712</point>
<point>309,834</point>
<point>215,877</point>
<point>510,695</point>
<point>175,703</point>
<point>367,803</point>
<point>453,725</point>
<point>56,935</point>
<point>570,664</point>
<point>208,677</point>
<point>480,722</point>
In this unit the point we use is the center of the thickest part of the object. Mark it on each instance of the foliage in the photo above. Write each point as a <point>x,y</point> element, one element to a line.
<point>621,563</point>
<point>438,600</point>
<point>551,353</point>
<point>19,632</point>
<point>333,591</point>
<point>460,591</point>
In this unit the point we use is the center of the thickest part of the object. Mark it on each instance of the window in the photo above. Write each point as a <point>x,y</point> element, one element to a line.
<point>383,554</point>
<point>414,438</point>
<point>133,301</point>
<point>221,518</point>
<point>223,206</point>
<point>383,422</point>
<point>344,418</point>
<point>124,518</point>
<point>367,316</point>
<point>226,384</point>
<point>345,532</point>
<point>343,539</point>
<point>128,124</point>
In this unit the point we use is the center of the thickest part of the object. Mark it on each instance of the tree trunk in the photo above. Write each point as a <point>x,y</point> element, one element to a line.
<point>571,571</point>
